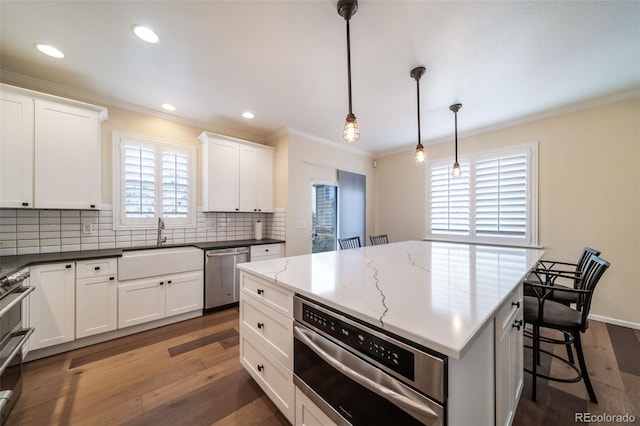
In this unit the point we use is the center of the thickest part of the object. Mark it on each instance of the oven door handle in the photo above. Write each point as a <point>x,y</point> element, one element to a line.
<point>24,334</point>
<point>23,293</point>
<point>329,351</point>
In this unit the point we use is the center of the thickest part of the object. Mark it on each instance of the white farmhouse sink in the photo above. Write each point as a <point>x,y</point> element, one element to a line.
<point>159,261</point>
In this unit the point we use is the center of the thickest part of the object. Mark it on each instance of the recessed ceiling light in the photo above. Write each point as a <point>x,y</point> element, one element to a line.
<point>145,33</point>
<point>168,107</point>
<point>50,50</point>
<point>248,114</point>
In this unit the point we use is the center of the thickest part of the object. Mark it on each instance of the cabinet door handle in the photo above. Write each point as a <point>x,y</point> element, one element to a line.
<point>260,325</point>
<point>161,282</point>
<point>517,324</point>
<point>169,282</point>
<point>237,209</point>
<point>260,291</point>
<point>516,304</point>
<point>68,266</point>
<point>93,206</point>
<point>25,204</point>
<point>112,278</point>
<point>266,249</point>
<point>97,268</point>
<point>259,210</point>
<point>260,367</point>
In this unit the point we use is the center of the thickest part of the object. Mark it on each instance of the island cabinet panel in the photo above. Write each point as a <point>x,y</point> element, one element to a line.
<point>266,339</point>
<point>509,357</point>
<point>308,413</point>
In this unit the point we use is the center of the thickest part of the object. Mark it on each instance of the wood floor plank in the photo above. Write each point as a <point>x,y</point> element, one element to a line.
<point>256,412</point>
<point>626,348</point>
<point>202,341</point>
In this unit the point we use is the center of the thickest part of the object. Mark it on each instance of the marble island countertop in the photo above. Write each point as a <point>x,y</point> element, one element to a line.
<point>439,295</point>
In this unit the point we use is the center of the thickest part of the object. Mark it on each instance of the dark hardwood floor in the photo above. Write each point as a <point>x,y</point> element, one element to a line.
<point>189,374</point>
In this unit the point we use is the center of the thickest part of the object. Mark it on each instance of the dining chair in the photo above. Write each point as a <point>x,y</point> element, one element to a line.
<point>543,313</point>
<point>349,243</point>
<point>379,239</point>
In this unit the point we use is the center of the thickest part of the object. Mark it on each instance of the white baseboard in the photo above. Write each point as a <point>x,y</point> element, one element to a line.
<point>615,321</point>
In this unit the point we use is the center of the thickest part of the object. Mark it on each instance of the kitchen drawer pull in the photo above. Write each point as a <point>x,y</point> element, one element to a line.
<point>112,278</point>
<point>25,204</point>
<point>68,266</point>
<point>260,367</point>
<point>97,268</point>
<point>161,282</point>
<point>93,206</point>
<point>516,304</point>
<point>266,249</point>
<point>169,282</point>
<point>260,325</point>
<point>517,324</point>
<point>260,291</point>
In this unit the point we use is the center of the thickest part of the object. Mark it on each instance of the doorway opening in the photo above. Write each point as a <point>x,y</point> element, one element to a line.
<point>324,217</point>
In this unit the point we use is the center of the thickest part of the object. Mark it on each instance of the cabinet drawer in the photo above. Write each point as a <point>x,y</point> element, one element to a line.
<point>279,299</point>
<point>96,267</point>
<point>266,251</point>
<point>508,309</point>
<point>272,329</point>
<point>273,377</point>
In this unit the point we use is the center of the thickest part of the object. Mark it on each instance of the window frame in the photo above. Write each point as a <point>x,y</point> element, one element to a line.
<point>120,221</point>
<point>531,234</point>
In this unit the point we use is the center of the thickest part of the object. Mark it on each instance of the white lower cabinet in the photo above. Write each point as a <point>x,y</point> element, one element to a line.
<point>52,304</point>
<point>509,358</point>
<point>308,413</point>
<point>266,251</point>
<point>266,339</point>
<point>96,297</point>
<point>274,378</point>
<point>149,299</point>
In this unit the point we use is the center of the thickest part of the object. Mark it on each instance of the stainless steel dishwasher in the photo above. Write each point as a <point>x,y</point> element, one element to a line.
<point>221,279</point>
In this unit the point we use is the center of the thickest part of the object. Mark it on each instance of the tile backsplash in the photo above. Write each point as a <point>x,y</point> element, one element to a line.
<point>48,231</point>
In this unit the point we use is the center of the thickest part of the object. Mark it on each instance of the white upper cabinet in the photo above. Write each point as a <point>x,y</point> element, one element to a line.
<point>16,150</point>
<point>237,176</point>
<point>55,143</point>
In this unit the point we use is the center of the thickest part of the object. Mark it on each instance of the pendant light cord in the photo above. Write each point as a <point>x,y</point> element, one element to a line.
<point>349,65</point>
<point>456,121</point>
<point>418,91</point>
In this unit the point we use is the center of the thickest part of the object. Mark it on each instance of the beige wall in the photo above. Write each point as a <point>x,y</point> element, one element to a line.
<point>308,161</point>
<point>589,193</point>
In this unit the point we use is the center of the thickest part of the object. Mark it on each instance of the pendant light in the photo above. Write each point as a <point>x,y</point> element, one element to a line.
<point>456,166</point>
<point>351,132</point>
<point>420,156</point>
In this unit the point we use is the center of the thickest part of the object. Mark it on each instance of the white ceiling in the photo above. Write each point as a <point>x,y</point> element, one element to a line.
<point>286,61</point>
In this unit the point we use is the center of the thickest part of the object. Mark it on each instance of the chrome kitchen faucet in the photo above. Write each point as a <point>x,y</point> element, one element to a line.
<point>161,239</point>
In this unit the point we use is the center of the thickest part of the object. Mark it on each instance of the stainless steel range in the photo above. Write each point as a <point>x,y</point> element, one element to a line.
<point>13,290</point>
<point>359,375</point>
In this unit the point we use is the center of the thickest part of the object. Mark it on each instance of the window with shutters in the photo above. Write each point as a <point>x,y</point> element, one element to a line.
<point>494,201</point>
<point>152,179</point>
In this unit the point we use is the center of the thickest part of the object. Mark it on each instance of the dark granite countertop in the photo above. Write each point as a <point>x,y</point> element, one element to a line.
<point>10,264</point>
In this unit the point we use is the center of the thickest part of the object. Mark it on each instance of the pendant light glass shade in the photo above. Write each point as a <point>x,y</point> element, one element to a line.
<point>420,155</point>
<point>456,172</point>
<point>351,132</point>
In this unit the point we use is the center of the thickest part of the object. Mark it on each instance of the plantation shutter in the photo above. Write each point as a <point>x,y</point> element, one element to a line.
<point>175,185</point>
<point>501,196</point>
<point>139,182</point>
<point>449,201</point>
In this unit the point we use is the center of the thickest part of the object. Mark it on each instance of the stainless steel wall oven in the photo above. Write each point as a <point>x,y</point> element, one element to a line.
<point>359,375</point>
<point>12,339</point>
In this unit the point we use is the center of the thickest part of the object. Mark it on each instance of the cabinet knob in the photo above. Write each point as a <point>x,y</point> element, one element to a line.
<point>237,209</point>
<point>161,282</point>
<point>260,291</point>
<point>169,282</point>
<point>68,266</point>
<point>260,367</point>
<point>259,210</point>
<point>517,324</point>
<point>93,206</point>
<point>516,304</point>
<point>266,249</point>
<point>260,325</point>
<point>255,210</point>
<point>25,204</point>
<point>112,278</point>
<point>97,268</point>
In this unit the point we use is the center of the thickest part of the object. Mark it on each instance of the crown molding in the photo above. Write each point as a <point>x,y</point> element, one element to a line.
<point>580,106</point>
<point>338,145</point>
<point>32,83</point>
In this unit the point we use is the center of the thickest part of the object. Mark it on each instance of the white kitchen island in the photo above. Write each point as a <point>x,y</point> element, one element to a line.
<point>460,300</point>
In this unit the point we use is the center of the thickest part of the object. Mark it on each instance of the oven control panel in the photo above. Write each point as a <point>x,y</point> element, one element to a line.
<point>381,350</point>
